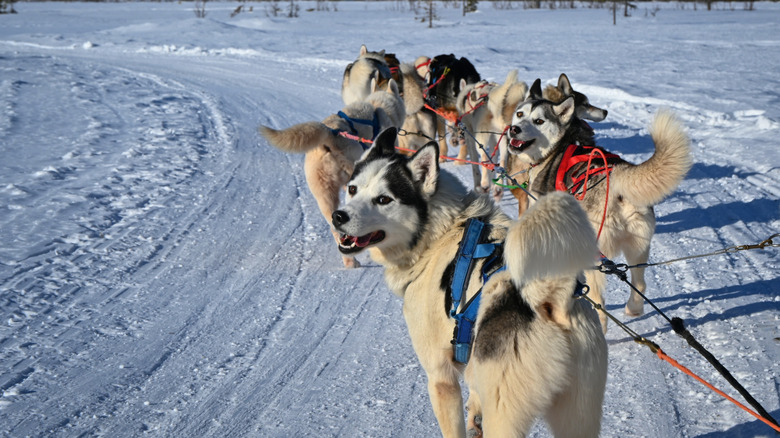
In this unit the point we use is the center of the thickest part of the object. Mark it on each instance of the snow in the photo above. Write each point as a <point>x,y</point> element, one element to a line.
<point>165,272</point>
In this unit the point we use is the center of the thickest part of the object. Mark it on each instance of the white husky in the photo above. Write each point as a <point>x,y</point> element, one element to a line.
<point>536,350</point>
<point>330,156</point>
<point>618,196</point>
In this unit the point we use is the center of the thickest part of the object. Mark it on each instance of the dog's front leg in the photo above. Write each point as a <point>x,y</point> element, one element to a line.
<point>447,404</point>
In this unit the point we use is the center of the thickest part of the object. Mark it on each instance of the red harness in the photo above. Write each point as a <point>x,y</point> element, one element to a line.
<point>578,164</point>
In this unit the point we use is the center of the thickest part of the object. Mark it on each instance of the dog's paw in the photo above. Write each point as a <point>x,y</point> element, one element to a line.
<point>350,262</point>
<point>497,192</point>
<point>475,428</point>
<point>634,309</point>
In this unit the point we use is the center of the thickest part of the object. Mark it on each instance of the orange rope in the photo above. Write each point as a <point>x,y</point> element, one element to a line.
<point>447,116</point>
<point>675,364</point>
<point>490,166</point>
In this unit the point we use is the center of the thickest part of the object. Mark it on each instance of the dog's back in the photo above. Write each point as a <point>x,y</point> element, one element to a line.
<point>536,345</point>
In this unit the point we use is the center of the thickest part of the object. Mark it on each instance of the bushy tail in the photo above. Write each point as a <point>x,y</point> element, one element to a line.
<point>300,138</point>
<point>504,99</point>
<point>413,89</point>
<point>553,240</point>
<point>650,182</point>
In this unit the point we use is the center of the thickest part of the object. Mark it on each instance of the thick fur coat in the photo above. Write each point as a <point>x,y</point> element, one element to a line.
<point>621,206</point>
<point>538,352</point>
<point>330,157</point>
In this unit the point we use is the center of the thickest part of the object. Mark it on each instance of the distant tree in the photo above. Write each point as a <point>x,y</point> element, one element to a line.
<point>469,6</point>
<point>429,11</point>
<point>7,7</point>
<point>293,9</point>
<point>200,8</point>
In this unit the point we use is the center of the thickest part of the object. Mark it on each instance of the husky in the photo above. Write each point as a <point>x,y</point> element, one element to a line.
<point>583,109</point>
<point>358,76</point>
<point>549,136</point>
<point>536,350</point>
<point>445,75</point>
<point>330,156</point>
<point>486,111</point>
<point>419,126</point>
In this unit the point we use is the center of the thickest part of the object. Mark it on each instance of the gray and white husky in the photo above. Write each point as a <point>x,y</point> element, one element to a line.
<point>330,156</point>
<point>542,134</point>
<point>536,350</point>
<point>420,124</point>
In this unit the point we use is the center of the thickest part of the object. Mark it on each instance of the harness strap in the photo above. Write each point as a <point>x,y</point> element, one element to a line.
<point>373,123</point>
<point>469,250</point>
<point>575,155</point>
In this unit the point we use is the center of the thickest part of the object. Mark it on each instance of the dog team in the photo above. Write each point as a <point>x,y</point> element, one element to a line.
<point>487,298</point>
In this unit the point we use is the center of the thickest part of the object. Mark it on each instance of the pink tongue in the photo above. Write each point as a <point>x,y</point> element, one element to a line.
<point>363,240</point>
<point>516,143</point>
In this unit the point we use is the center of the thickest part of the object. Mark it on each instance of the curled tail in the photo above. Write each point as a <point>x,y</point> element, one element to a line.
<point>552,242</point>
<point>300,138</point>
<point>650,182</point>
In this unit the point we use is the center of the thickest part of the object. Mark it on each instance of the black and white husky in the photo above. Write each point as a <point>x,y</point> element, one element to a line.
<point>535,350</point>
<point>618,197</point>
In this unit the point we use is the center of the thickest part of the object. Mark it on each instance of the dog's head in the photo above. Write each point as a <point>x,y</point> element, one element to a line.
<point>538,125</point>
<point>387,196</point>
<point>582,107</point>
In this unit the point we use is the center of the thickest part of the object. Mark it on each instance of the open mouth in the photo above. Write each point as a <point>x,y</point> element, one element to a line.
<point>351,244</point>
<point>517,146</point>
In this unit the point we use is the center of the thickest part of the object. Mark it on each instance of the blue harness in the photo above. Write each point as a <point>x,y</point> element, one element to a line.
<point>470,249</point>
<point>372,123</point>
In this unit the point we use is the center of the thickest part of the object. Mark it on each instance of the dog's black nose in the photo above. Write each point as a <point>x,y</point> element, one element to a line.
<point>340,217</point>
<point>514,130</point>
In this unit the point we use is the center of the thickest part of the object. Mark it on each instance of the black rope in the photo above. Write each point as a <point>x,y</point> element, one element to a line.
<point>679,327</point>
<point>619,270</point>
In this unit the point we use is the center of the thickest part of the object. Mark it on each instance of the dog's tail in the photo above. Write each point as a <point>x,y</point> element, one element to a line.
<point>503,99</point>
<point>551,241</point>
<point>300,138</point>
<point>650,182</point>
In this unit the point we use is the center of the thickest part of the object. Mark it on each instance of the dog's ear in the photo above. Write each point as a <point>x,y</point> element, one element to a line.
<point>424,166</point>
<point>373,84</point>
<point>363,50</point>
<point>535,92</point>
<point>392,87</point>
<point>565,110</point>
<point>462,84</point>
<point>384,143</point>
<point>564,85</point>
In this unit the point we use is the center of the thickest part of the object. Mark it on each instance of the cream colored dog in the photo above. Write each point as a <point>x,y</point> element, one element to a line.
<point>330,157</point>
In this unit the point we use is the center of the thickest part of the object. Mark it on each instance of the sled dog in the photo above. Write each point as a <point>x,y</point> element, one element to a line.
<point>583,109</point>
<point>358,76</point>
<point>445,75</point>
<point>550,137</point>
<point>330,157</point>
<point>486,111</point>
<point>419,126</point>
<point>536,350</point>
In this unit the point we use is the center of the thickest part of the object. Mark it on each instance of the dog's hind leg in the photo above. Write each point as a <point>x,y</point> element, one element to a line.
<point>635,303</point>
<point>441,131</point>
<point>636,248</point>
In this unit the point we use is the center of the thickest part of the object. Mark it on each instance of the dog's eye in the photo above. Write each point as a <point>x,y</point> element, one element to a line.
<point>383,200</point>
<point>519,114</point>
<point>352,190</point>
<point>538,122</point>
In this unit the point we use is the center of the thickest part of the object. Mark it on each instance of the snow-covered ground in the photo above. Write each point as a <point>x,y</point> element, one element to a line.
<point>164,272</point>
